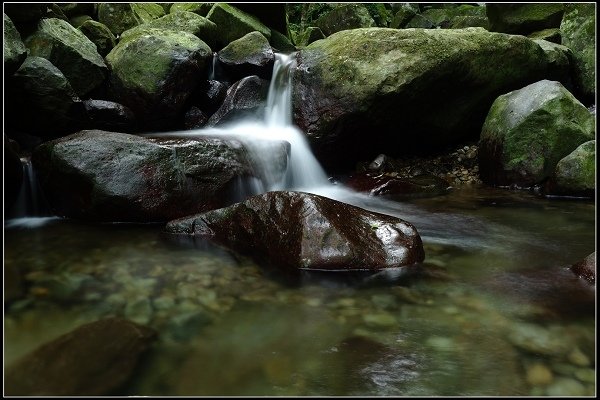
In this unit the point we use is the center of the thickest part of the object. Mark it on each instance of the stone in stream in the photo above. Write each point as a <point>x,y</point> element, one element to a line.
<point>388,186</point>
<point>245,99</point>
<point>107,176</point>
<point>249,55</point>
<point>93,360</point>
<point>293,231</point>
<point>586,268</point>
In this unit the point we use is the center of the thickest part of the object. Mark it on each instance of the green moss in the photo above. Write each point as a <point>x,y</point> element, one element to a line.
<point>524,18</point>
<point>343,17</point>
<point>14,49</point>
<point>244,48</point>
<point>201,9</point>
<point>100,35</point>
<point>577,171</point>
<point>233,23</point>
<point>119,17</point>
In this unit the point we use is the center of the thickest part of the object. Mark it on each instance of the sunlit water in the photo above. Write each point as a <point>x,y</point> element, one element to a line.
<point>459,325</point>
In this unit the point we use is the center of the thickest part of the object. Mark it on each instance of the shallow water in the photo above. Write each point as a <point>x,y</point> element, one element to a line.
<point>492,304</point>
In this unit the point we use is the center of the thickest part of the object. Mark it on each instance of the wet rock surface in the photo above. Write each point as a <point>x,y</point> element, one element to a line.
<point>393,187</point>
<point>93,360</point>
<point>294,230</point>
<point>249,55</point>
<point>586,268</point>
<point>244,99</point>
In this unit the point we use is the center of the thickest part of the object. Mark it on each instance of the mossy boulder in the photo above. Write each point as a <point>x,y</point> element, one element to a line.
<point>292,231</point>
<point>310,34</point>
<point>70,51</point>
<point>281,43</point>
<point>180,21</point>
<point>579,34</point>
<point>469,21</point>
<point>528,131</point>
<point>109,116</point>
<point>119,17</point>
<point>233,23</point>
<point>347,16</point>
<point>445,17</point>
<point>576,173</point>
<point>108,176</point>
<point>154,73</point>
<point>550,35</point>
<point>559,59</point>
<point>249,55</point>
<point>14,49</point>
<point>404,14</point>
<point>100,35</point>
<point>43,102</point>
<point>401,90</point>
<point>197,8</point>
<point>73,9</point>
<point>524,19</point>
<point>420,21</point>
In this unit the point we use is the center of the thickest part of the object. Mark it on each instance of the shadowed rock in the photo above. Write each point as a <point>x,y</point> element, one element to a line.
<point>294,230</point>
<point>586,268</point>
<point>92,360</point>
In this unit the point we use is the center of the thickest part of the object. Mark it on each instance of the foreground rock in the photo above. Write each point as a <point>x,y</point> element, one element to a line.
<point>586,268</point>
<point>576,173</point>
<point>528,131</point>
<point>107,176</point>
<point>92,360</point>
<point>245,99</point>
<point>293,230</point>
<point>405,89</point>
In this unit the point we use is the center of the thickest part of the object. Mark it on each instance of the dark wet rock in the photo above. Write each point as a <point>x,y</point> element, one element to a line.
<point>22,12</point>
<point>359,85</point>
<point>108,176</point>
<point>119,17</point>
<point>201,27</point>
<point>420,21</point>
<point>393,187</point>
<point>100,35</point>
<point>404,13</point>
<point>197,8</point>
<point>345,16</point>
<point>294,230</point>
<point>70,51</point>
<point>249,55</point>
<point>43,102</point>
<point>578,32</point>
<point>576,173</point>
<point>210,95</point>
<point>245,99</point>
<point>80,19</point>
<point>194,118</point>
<point>586,268</point>
<point>54,11</point>
<point>550,35</point>
<point>559,60</point>
<point>13,175</point>
<point>281,43</point>
<point>528,131</point>
<point>108,115</point>
<point>93,360</point>
<point>524,19</point>
<point>233,23</point>
<point>14,49</point>
<point>155,72</point>
<point>467,21</point>
<point>272,14</point>
<point>310,34</point>
<point>74,9</point>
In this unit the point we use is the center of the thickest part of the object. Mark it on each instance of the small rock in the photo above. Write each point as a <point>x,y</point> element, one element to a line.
<point>565,387</point>
<point>139,311</point>
<point>576,357</point>
<point>586,375</point>
<point>538,374</point>
<point>441,343</point>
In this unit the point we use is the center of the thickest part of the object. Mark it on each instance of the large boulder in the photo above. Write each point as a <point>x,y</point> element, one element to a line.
<point>14,49</point>
<point>109,116</point>
<point>249,55</point>
<point>197,8</point>
<point>180,21</point>
<point>294,230</point>
<point>576,173</point>
<point>403,14</point>
<point>108,176</point>
<point>154,73</point>
<point>309,35</point>
<point>405,89</point>
<point>586,268</point>
<point>528,131</point>
<point>578,32</point>
<point>70,51</point>
<point>346,16</point>
<point>523,19</point>
<point>233,23</point>
<point>245,99</point>
<point>119,17</point>
<point>93,360</point>
<point>100,35</point>
<point>43,102</point>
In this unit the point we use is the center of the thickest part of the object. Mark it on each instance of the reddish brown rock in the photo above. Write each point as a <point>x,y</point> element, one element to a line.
<point>380,184</point>
<point>294,230</point>
<point>92,360</point>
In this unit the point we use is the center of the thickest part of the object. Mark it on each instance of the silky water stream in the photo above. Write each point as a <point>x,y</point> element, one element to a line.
<point>494,312</point>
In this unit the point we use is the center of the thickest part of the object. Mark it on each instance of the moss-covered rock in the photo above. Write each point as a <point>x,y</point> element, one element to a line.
<point>100,35</point>
<point>154,73</point>
<point>578,33</point>
<point>525,18</point>
<point>549,35</point>
<point>108,176</point>
<point>469,21</point>
<point>347,16</point>
<point>419,21</point>
<point>528,131</point>
<point>70,51</point>
<point>381,14</point>
<point>403,15</point>
<point>119,17</point>
<point>78,20</point>
<point>233,23</point>
<point>201,9</point>
<point>249,55</point>
<point>44,102</point>
<point>180,21</point>
<point>281,43</point>
<point>399,90</point>
<point>73,9</point>
<point>14,49</point>
<point>576,173</point>
<point>559,61</point>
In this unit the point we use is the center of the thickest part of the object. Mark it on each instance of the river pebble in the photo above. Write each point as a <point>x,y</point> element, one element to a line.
<point>565,387</point>
<point>538,340</point>
<point>586,375</point>
<point>538,374</point>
